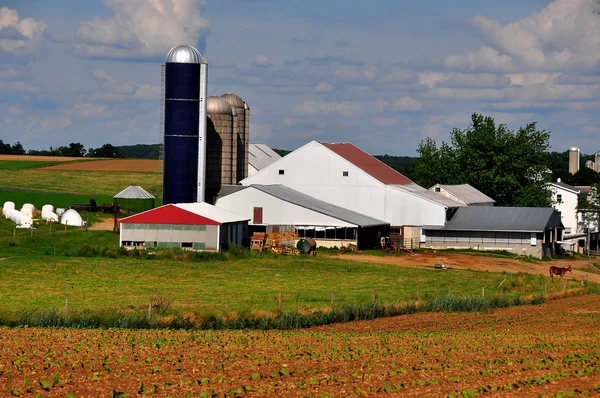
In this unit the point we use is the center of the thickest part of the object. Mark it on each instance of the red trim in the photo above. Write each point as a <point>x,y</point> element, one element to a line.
<point>169,214</point>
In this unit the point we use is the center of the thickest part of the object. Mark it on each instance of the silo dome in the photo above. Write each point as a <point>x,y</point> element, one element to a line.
<point>218,106</point>
<point>233,99</point>
<point>574,148</point>
<point>185,54</point>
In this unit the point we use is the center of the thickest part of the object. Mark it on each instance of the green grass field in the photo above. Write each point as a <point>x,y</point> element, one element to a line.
<point>40,269</point>
<point>24,164</point>
<point>89,183</point>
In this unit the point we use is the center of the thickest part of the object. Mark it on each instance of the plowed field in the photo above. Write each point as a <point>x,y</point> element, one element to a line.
<point>139,165</point>
<point>529,351</point>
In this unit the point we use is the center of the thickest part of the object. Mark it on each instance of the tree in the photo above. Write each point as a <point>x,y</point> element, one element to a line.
<point>4,148</point>
<point>17,149</point>
<point>106,151</point>
<point>508,166</point>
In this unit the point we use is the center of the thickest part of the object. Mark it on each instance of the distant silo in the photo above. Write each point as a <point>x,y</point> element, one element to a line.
<point>589,164</point>
<point>242,129</point>
<point>185,77</point>
<point>597,161</point>
<point>573,160</point>
<point>221,146</point>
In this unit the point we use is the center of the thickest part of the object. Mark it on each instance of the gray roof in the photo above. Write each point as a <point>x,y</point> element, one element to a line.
<point>260,156</point>
<point>299,199</point>
<point>423,193</point>
<point>488,218</point>
<point>466,193</point>
<point>134,192</point>
<point>184,54</point>
<point>566,186</point>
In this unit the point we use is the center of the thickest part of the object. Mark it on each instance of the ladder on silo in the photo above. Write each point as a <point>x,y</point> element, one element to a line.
<point>161,126</point>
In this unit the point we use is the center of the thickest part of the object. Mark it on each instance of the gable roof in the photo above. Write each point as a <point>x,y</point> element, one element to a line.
<point>367,163</point>
<point>134,192</point>
<point>426,194</point>
<point>466,193</point>
<point>260,156</point>
<point>185,213</point>
<point>503,219</point>
<point>299,199</point>
<point>568,187</point>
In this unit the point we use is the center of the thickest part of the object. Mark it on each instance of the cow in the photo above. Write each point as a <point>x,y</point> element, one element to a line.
<point>559,271</point>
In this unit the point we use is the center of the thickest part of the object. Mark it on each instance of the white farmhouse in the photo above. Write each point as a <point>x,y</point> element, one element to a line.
<point>346,176</point>
<point>564,199</point>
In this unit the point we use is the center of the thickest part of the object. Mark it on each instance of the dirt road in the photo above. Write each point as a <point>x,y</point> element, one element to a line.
<point>582,269</point>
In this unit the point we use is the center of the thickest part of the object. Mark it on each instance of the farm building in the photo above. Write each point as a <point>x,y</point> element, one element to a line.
<point>192,226</point>
<point>463,193</point>
<point>346,176</point>
<point>134,199</point>
<point>534,231</point>
<point>276,208</point>
<point>259,157</point>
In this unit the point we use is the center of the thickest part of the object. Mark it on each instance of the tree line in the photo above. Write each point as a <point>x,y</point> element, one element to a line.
<point>74,149</point>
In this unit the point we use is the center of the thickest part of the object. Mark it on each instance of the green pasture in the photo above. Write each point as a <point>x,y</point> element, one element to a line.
<point>89,183</point>
<point>44,267</point>
<point>24,164</point>
<point>57,199</point>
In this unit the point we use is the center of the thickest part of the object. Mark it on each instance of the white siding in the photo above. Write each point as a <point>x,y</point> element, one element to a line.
<point>403,208</point>
<point>275,210</point>
<point>567,208</point>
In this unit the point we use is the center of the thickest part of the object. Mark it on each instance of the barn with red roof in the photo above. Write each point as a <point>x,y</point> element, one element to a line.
<point>189,226</point>
<point>346,176</point>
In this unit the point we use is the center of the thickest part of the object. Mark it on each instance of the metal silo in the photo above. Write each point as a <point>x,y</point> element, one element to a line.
<point>221,146</point>
<point>597,161</point>
<point>242,130</point>
<point>589,164</point>
<point>185,76</point>
<point>573,160</point>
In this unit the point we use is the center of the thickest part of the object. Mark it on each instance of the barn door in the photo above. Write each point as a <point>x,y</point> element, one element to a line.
<point>258,215</point>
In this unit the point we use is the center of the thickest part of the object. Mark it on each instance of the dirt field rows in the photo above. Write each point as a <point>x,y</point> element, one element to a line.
<point>529,351</point>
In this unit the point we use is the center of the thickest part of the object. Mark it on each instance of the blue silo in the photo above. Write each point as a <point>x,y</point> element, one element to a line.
<point>184,92</point>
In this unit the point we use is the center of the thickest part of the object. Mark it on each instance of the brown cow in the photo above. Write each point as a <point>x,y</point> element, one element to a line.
<point>559,271</point>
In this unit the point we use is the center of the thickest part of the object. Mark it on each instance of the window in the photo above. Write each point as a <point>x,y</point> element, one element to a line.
<point>281,172</point>
<point>345,174</point>
<point>437,189</point>
<point>559,214</point>
<point>559,198</point>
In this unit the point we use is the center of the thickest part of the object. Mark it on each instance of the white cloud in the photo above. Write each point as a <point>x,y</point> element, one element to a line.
<point>262,60</point>
<point>323,87</point>
<point>89,110</point>
<point>21,36</point>
<point>385,122</point>
<point>117,91</point>
<point>562,35</point>
<point>141,28</point>
<point>344,108</point>
<point>485,59</point>
<point>408,104</point>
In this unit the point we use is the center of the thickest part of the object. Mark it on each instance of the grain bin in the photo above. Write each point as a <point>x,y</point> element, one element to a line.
<point>241,133</point>
<point>306,245</point>
<point>221,146</point>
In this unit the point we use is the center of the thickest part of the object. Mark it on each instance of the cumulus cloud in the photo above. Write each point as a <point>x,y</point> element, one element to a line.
<point>404,104</point>
<point>562,35</point>
<point>261,60</point>
<point>323,87</point>
<point>344,108</point>
<point>141,28</point>
<point>118,91</point>
<point>382,121</point>
<point>20,36</point>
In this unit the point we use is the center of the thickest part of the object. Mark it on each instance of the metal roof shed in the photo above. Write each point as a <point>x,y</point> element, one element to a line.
<point>191,226</point>
<point>135,199</point>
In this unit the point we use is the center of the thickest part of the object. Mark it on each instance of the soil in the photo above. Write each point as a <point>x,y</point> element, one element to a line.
<point>104,225</point>
<point>135,165</point>
<point>582,269</point>
<point>550,349</point>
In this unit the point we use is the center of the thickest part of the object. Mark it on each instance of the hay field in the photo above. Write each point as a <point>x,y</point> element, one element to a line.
<point>43,158</point>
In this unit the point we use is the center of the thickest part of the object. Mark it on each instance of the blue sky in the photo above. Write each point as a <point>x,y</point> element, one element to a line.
<point>383,75</point>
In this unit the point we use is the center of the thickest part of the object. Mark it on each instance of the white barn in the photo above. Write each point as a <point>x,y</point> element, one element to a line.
<point>463,193</point>
<point>259,157</point>
<point>346,176</point>
<point>271,207</point>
